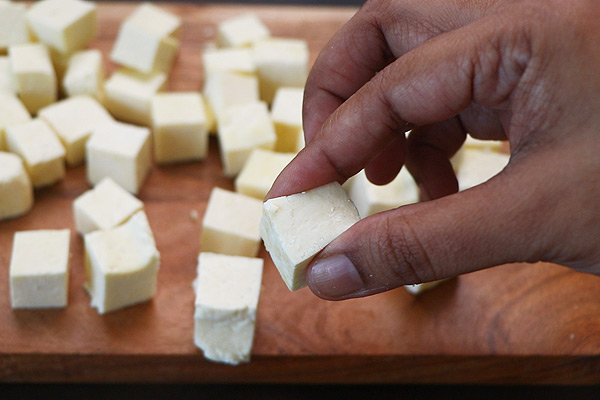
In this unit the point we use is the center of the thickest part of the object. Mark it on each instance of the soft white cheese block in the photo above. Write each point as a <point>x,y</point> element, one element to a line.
<point>295,228</point>
<point>34,75</point>
<point>227,292</point>
<point>85,75</point>
<point>260,171</point>
<point>12,112</point>
<point>179,127</point>
<point>280,62</point>
<point>13,24</point>
<point>286,113</point>
<point>7,83</point>
<point>230,224</point>
<point>224,89</point>
<point>16,191</point>
<point>147,40</point>
<point>74,120</point>
<point>119,151</point>
<point>129,95</point>
<point>494,145</point>
<point>65,25</point>
<point>39,269</point>
<point>237,60</point>
<point>241,130</point>
<point>40,149</point>
<point>477,166</point>
<point>241,31</point>
<point>370,198</point>
<point>419,288</point>
<point>121,265</point>
<point>105,206</point>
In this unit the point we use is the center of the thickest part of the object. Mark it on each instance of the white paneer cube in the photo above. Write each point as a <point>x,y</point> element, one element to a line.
<point>39,269</point>
<point>40,149</point>
<point>260,171</point>
<point>74,120</point>
<point>12,112</point>
<point>295,228</point>
<point>370,198</point>
<point>229,59</point>
<point>243,30</point>
<point>105,206</point>
<point>64,25</point>
<point>121,265</point>
<point>227,292</point>
<point>286,113</point>
<point>147,40</point>
<point>477,166</point>
<point>13,24</point>
<point>280,62</point>
<point>129,95</point>
<point>230,224</point>
<point>493,145</point>
<point>33,74</point>
<point>419,288</point>
<point>16,191</point>
<point>224,89</point>
<point>179,127</point>
<point>241,130</point>
<point>119,151</point>
<point>7,83</point>
<point>85,75</point>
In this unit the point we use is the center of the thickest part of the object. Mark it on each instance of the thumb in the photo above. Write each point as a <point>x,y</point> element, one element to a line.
<point>494,223</point>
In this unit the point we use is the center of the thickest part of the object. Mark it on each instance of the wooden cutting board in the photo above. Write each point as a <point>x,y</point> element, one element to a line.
<point>517,323</point>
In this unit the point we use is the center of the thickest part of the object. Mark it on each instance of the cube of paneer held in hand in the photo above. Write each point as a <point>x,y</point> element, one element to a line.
<point>65,25</point>
<point>119,151</point>
<point>241,130</point>
<point>224,89</point>
<point>179,127</point>
<point>104,207</point>
<point>129,95</point>
<point>39,269</point>
<point>121,265</point>
<point>295,228</point>
<point>16,191</point>
<point>287,117</point>
<point>229,59</point>
<point>240,31</point>
<point>74,119</point>
<point>40,149</point>
<point>227,292</point>
<point>280,62</point>
<point>370,198</point>
<point>147,40</point>
<point>85,75</point>
<point>12,112</point>
<point>34,75</point>
<point>260,171</point>
<point>13,24</point>
<point>230,224</point>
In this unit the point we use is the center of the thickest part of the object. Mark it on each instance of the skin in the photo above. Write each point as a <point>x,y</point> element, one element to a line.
<point>527,71</point>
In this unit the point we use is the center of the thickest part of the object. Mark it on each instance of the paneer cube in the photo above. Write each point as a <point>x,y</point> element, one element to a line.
<point>230,224</point>
<point>39,269</point>
<point>227,292</point>
<point>287,117</point>
<point>243,30</point>
<point>105,206</point>
<point>16,191</point>
<point>241,130</point>
<point>65,25</point>
<point>119,151</point>
<point>295,228</point>
<point>13,24</point>
<point>7,83</point>
<point>12,112</point>
<point>179,127</point>
<point>40,149</point>
<point>85,75</point>
<point>74,119</point>
<point>121,265</point>
<point>236,60</point>
<point>224,89</point>
<point>260,171</point>
<point>477,166</point>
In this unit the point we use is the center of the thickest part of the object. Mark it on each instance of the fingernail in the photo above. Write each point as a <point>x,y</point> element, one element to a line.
<point>334,277</point>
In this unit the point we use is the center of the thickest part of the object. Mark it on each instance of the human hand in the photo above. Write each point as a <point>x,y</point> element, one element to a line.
<point>523,70</point>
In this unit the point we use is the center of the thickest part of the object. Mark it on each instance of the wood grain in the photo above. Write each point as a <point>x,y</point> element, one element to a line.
<point>519,323</point>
